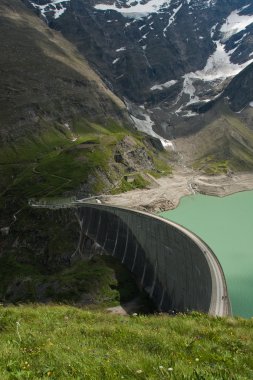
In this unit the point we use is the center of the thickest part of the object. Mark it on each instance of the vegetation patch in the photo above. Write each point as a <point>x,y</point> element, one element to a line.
<point>62,342</point>
<point>61,161</point>
<point>210,166</point>
<point>98,281</point>
<point>130,182</point>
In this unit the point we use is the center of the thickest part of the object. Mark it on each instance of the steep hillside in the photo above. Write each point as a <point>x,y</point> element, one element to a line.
<point>239,92</point>
<point>44,80</point>
<point>60,126</point>
<point>224,145</point>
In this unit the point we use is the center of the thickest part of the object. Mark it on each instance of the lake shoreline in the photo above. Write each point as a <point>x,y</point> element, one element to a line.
<point>166,192</point>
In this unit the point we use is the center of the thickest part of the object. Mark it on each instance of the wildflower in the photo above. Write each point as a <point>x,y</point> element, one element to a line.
<point>49,373</point>
<point>197,359</point>
<point>139,371</point>
<point>170,369</point>
<point>161,367</point>
<point>26,365</point>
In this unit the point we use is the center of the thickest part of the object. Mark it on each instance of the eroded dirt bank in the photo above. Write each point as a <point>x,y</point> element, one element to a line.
<point>167,191</point>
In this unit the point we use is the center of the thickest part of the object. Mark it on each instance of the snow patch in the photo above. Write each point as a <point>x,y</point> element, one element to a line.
<point>163,85</point>
<point>115,61</point>
<point>235,23</point>
<point>219,66</point>
<point>171,19</point>
<point>188,89</point>
<point>190,114</point>
<point>251,104</point>
<point>145,125</point>
<point>55,7</point>
<point>121,49</point>
<point>135,9</point>
<point>213,30</point>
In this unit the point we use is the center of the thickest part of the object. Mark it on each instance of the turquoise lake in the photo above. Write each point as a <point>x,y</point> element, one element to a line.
<point>226,225</point>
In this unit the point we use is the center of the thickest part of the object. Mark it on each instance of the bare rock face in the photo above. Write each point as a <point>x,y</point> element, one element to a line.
<point>133,156</point>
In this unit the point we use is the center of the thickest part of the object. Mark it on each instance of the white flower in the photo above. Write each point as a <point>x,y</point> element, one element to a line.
<point>170,369</point>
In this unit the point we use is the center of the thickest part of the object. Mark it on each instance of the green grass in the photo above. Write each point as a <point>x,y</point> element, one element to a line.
<point>211,166</point>
<point>62,342</point>
<point>50,164</point>
<point>138,182</point>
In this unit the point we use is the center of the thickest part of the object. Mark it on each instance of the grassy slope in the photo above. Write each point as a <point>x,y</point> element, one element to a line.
<point>224,144</point>
<point>61,342</point>
<point>51,164</point>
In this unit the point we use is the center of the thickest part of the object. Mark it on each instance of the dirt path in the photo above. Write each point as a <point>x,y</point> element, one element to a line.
<point>183,182</point>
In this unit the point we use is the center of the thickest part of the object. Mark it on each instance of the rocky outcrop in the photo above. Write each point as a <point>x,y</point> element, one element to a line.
<point>133,156</point>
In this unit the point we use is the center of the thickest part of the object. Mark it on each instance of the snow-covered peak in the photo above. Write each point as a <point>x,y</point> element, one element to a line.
<point>54,8</point>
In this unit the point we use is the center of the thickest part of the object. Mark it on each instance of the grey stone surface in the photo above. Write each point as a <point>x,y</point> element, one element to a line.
<point>167,263</point>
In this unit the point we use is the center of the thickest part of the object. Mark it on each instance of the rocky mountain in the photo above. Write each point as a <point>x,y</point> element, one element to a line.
<point>167,59</point>
<point>61,127</point>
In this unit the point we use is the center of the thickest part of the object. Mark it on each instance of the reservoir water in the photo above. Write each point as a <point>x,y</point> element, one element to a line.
<point>226,225</point>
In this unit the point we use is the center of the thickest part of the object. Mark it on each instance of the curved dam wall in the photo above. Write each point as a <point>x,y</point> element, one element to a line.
<point>169,265</point>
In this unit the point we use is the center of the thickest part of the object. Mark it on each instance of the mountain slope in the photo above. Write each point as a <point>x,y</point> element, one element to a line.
<point>225,144</point>
<point>44,79</point>
<point>169,57</point>
<point>239,92</point>
<point>60,126</point>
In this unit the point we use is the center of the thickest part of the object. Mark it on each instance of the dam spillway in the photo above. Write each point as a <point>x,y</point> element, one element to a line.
<point>176,268</point>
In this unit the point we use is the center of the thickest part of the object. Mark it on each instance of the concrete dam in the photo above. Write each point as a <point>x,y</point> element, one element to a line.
<point>176,268</point>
